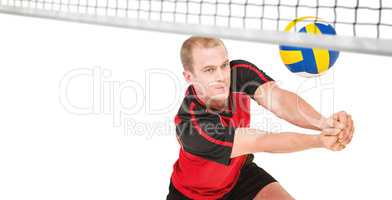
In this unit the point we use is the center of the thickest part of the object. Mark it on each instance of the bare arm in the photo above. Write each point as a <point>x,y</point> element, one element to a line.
<point>248,140</point>
<point>289,106</point>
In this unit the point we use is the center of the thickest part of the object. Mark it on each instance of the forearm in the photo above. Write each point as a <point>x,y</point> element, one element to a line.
<point>249,140</point>
<point>287,142</point>
<point>297,111</point>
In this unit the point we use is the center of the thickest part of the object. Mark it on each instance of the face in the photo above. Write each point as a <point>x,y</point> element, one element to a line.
<point>211,73</point>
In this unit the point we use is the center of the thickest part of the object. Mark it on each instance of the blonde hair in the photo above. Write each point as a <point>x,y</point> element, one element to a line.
<point>193,42</point>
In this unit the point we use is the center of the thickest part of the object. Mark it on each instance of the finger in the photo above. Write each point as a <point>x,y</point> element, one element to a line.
<point>331,131</point>
<point>331,122</point>
<point>347,138</point>
<point>342,118</point>
<point>352,127</point>
<point>335,144</point>
<point>346,132</point>
<point>340,136</point>
<point>339,146</point>
<point>334,122</point>
<point>335,147</point>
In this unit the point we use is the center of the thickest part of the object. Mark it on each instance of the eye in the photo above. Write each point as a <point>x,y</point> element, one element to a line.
<point>225,65</point>
<point>210,70</point>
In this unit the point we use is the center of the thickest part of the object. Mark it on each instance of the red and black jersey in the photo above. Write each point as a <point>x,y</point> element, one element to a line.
<point>204,169</point>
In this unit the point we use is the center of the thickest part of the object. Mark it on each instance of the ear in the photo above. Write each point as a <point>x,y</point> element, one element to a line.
<point>188,76</point>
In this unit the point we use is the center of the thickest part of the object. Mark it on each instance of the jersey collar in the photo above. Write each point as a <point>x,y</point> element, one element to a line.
<point>227,113</point>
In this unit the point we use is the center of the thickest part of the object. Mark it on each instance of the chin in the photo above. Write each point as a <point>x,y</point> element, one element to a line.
<point>220,96</point>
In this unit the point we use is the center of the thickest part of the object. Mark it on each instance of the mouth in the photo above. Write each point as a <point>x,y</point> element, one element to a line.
<point>220,89</point>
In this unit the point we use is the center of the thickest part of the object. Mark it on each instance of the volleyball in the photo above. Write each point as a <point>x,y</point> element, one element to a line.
<point>309,62</point>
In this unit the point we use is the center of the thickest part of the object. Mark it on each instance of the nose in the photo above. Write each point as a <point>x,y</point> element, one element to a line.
<point>220,76</point>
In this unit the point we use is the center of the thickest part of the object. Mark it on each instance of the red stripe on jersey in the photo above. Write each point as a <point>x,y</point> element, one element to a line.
<point>177,120</point>
<point>261,75</point>
<point>204,134</point>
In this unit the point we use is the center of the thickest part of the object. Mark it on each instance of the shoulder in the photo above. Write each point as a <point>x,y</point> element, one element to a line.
<point>240,62</point>
<point>244,66</point>
<point>246,76</point>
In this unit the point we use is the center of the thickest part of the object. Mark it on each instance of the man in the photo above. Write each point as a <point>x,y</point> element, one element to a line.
<point>212,126</point>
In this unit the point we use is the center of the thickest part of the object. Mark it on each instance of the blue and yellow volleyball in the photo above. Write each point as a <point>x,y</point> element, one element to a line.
<point>310,62</point>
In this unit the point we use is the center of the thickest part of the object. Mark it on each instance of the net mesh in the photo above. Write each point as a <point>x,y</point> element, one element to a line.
<point>370,18</point>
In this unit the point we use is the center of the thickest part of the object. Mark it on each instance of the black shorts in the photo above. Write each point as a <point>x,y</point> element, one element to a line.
<point>252,179</point>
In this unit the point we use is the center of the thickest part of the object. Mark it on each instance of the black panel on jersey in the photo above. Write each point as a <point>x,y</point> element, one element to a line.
<point>204,135</point>
<point>246,77</point>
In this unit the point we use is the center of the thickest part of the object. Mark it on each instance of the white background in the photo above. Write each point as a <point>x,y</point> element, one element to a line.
<point>50,149</point>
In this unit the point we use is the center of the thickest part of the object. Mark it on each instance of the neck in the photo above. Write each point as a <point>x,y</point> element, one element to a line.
<point>215,105</point>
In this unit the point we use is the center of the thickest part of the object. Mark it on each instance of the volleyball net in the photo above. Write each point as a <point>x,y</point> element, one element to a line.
<point>362,26</point>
